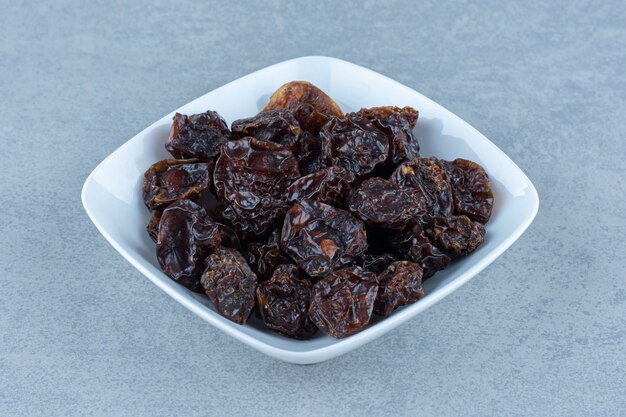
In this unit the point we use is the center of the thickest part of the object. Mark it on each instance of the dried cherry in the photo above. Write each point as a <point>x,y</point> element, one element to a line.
<point>197,136</point>
<point>328,185</point>
<point>171,180</point>
<point>429,176</point>
<point>415,246</point>
<point>383,112</point>
<point>471,189</point>
<point>456,234</point>
<point>230,284</point>
<point>398,124</point>
<point>355,144</point>
<point>250,178</point>
<point>399,284</point>
<point>284,301</point>
<point>278,126</point>
<point>342,303</point>
<point>186,236</point>
<point>320,238</point>
<point>386,204</point>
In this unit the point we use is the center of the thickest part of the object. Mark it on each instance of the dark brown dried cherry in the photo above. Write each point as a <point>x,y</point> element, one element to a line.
<point>230,284</point>
<point>385,204</point>
<point>284,301</point>
<point>398,124</point>
<point>329,185</point>
<point>320,238</point>
<point>399,284</point>
<point>172,179</point>
<point>278,126</point>
<point>251,177</point>
<point>197,136</point>
<point>456,234</point>
<point>186,236</point>
<point>413,245</point>
<point>342,303</point>
<point>429,176</point>
<point>355,144</point>
<point>471,189</point>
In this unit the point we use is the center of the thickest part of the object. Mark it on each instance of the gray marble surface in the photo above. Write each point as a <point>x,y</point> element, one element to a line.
<point>542,331</point>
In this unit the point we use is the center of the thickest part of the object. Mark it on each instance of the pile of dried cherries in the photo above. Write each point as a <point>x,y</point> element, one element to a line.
<point>308,217</point>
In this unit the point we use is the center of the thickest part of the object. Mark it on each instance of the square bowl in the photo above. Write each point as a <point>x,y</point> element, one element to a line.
<point>111,194</point>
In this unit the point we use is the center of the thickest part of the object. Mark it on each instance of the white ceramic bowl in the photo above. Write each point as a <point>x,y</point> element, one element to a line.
<point>112,193</point>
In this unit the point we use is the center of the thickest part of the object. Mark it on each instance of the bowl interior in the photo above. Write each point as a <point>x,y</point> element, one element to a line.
<point>112,195</point>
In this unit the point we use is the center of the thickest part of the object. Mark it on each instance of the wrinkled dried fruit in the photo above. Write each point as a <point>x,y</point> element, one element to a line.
<point>400,284</point>
<point>471,189</point>
<point>197,136</point>
<point>383,112</point>
<point>250,178</point>
<point>386,204</point>
<point>310,105</point>
<point>456,234</point>
<point>347,199</point>
<point>329,185</point>
<point>278,126</point>
<point>230,284</point>
<point>186,236</point>
<point>153,225</point>
<point>378,262</point>
<point>171,180</point>
<point>398,124</point>
<point>320,238</point>
<point>265,255</point>
<point>428,176</point>
<point>342,303</point>
<point>355,144</point>
<point>284,302</point>
<point>415,246</point>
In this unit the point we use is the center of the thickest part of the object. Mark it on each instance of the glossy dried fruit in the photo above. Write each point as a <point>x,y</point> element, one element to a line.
<point>329,185</point>
<point>310,105</point>
<point>355,144</point>
<point>250,178</point>
<point>153,225</point>
<point>197,136</point>
<point>399,284</point>
<point>284,301</point>
<point>386,204</point>
<point>471,189</point>
<point>230,284</point>
<point>429,176</point>
<point>265,255</point>
<point>398,124</point>
<point>415,246</point>
<point>170,180</point>
<point>186,236</point>
<point>320,238</point>
<point>342,303</point>
<point>456,234</point>
<point>383,112</point>
<point>278,126</point>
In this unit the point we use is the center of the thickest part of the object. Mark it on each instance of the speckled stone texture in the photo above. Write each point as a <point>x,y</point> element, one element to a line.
<point>542,331</point>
